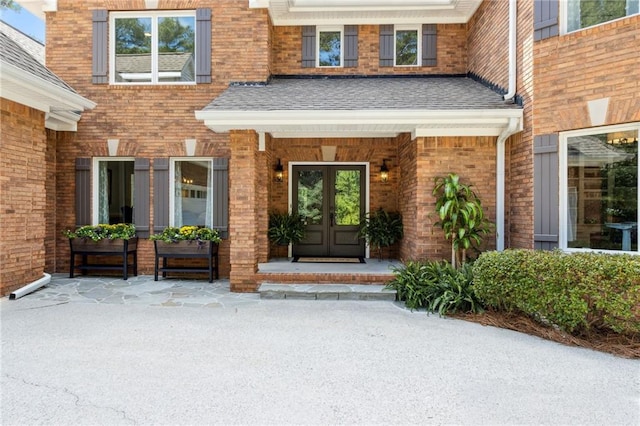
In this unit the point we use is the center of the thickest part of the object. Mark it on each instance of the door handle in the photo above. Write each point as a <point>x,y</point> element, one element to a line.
<point>332,218</point>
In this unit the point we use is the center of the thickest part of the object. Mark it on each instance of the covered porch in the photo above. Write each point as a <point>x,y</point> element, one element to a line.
<point>418,128</point>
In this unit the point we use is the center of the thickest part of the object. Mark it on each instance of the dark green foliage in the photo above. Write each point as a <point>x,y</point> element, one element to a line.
<point>286,228</point>
<point>460,215</point>
<point>436,287</point>
<point>381,229</point>
<point>577,292</point>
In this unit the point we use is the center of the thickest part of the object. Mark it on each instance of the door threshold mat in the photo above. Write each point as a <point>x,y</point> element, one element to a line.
<point>306,259</point>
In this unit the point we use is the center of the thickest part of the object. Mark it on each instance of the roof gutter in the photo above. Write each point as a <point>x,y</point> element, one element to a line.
<point>513,56</point>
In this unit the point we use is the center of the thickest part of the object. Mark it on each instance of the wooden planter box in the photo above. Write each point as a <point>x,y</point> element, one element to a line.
<point>85,247</point>
<point>186,250</point>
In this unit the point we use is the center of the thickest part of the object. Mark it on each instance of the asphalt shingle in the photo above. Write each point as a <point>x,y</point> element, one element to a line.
<point>360,93</point>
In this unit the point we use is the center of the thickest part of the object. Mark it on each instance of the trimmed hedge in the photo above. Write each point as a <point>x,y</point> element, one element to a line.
<point>577,291</point>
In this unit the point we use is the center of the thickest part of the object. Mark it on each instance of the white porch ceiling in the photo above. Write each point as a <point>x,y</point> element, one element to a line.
<point>367,12</point>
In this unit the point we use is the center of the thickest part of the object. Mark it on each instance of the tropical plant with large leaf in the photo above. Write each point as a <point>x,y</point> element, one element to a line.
<point>381,229</point>
<point>461,216</point>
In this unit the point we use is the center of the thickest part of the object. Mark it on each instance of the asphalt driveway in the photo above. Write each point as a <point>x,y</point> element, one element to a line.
<point>294,362</point>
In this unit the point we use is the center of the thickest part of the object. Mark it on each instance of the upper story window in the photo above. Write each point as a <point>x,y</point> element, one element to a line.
<point>599,188</point>
<point>153,47</point>
<point>586,13</point>
<point>407,46</point>
<point>330,46</point>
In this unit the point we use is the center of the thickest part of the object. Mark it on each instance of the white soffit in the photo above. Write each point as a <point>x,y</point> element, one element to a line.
<point>367,12</point>
<point>363,123</point>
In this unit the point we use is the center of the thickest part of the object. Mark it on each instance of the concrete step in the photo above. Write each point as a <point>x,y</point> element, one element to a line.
<point>326,291</point>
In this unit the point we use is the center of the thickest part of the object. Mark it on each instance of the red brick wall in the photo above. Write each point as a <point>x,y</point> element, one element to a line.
<point>487,40</point>
<point>150,121</point>
<point>473,159</point>
<point>594,63</point>
<point>452,53</point>
<point>23,212</point>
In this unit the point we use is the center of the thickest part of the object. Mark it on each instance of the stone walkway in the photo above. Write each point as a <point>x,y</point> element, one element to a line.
<point>142,290</point>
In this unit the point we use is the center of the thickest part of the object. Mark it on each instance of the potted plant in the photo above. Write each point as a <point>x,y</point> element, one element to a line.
<point>186,242</point>
<point>185,239</point>
<point>381,229</point>
<point>103,240</point>
<point>286,228</point>
<point>102,237</point>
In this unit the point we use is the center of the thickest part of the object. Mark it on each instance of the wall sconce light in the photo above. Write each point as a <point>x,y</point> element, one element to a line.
<point>279,172</point>
<point>384,171</point>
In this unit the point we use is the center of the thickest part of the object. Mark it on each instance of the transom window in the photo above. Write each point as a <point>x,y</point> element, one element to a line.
<point>191,202</point>
<point>330,46</point>
<point>599,196</point>
<point>586,13</point>
<point>407,46</point>
<point>113,187</point>
<point>152,48</point>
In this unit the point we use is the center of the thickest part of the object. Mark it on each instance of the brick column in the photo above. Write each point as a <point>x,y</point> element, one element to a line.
<point>244,201</point>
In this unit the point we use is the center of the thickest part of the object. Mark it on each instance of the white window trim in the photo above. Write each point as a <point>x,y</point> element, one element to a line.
<point>172,182</point>
<point>563,182</point>
<point>153,15</point>
<point>325,29</point>
<point>95,179</point>
<point>564,17</point>
<point>418,30</point>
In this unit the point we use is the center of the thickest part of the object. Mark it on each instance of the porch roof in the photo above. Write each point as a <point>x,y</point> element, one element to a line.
<point>362,107</point>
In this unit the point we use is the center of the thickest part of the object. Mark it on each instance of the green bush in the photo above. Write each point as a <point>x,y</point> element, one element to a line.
<point>435,286</point>
<point>577,292</point>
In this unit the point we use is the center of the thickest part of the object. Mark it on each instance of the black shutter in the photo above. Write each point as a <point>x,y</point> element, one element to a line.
<point>429,45</point>
<point>350,46</point>
<point>100,47</point>
<point>141,197</point>
<point>546,191</point>
<point>83,191</point>
<point>221,196</point>
<point>160,194</point>
<point>203,45</point>
<point>308,46</point>
<point>386,45</point>
<point>545,19</point>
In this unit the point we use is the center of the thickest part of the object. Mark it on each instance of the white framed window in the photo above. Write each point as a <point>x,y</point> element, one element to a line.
<point>599,189</point>
<point>580,14</point>
<point>113,189</point>
<point>152,47</point>
<point>330,46</point>
<point>407,45</point>
<point>191,191</point>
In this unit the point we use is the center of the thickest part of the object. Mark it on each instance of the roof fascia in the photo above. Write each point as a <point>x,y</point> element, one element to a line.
<point>12,76</point>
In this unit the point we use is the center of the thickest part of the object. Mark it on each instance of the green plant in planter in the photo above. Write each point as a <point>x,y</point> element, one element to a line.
<point>124,231</point>
<point>172,234</point>
<point>286,228</point>
<point>461,216</point>
<point>381,229</point>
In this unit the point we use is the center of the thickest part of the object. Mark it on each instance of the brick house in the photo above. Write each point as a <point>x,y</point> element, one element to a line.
<point>219,112</point>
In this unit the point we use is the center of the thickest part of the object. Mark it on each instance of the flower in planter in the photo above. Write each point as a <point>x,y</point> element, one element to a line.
<point>124,231</point>
<point>173,234</point>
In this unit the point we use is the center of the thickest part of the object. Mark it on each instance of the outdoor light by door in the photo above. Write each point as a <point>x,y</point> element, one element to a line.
<point>279,172</point>
<point>384,172</point>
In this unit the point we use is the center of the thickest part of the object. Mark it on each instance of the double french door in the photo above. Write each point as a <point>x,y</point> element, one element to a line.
<point>331,198</point>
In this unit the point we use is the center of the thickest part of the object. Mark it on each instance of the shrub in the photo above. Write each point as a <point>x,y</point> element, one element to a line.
<point>435,286</point>
<point>577,292</point>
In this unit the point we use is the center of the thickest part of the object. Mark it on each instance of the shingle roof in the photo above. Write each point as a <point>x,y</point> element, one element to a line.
<point>12,53</point>
<point>31,45</point>
<point>360,93</point>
